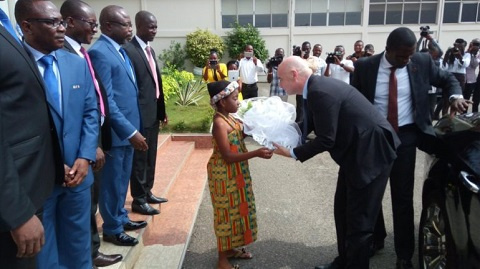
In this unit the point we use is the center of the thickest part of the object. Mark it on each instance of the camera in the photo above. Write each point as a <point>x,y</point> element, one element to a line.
<point>213,64</point>
<point>330,58</point>
<point>425,30</point>
<point>297,51</point>
<point>274,61</point>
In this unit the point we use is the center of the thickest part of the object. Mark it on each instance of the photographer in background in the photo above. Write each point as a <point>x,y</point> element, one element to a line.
<point>248,67</point>
<point>456,61</point>
<point>369,50</point>
<point>426,40</point>
<point>471,85</point>
<point>337,67</point>
<point>358,51</point>
<point>272,78</point>
<point>213,70</point>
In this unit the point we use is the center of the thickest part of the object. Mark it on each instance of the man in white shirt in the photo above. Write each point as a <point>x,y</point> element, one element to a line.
<point>456,61</point>
<point>337,67</point>
<point>249,67</point>
<point>322,65</point>
<point>471,85</point>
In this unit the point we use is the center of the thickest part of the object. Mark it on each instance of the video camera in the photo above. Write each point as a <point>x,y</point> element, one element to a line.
<point>331,57</point>
<point>274,61</point>
<point>425,30</point>
<point>297,51</point>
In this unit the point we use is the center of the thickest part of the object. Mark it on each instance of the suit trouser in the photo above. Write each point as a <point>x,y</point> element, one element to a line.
<point>249,90</point>
<point>95,190</point>
<point>8,252</point>
<point>402,179</point>
<point>113,188</point>
<point>66,219</point>
<point>356,211</point>
<point>472,88</point>
<point>143,168</point>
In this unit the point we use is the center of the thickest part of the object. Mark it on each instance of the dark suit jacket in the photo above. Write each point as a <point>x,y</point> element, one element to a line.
<point>357,137</point>
<point>151,109</point>
<point>105,134</point>
<point>423,73</point>
<point>30,161</point>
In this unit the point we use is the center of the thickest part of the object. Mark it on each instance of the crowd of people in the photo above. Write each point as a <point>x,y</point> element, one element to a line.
<point>369,111</point>
<point>77,127</point>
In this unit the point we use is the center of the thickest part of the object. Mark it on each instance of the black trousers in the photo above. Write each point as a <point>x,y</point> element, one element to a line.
<point>401,186</point>
<point>299,108</point>
<point>8,252</point>
<point>249,90</point>
<point>93,220</point>
<point>355,213</point>
<point>143,168</point>
<point>472,89</point>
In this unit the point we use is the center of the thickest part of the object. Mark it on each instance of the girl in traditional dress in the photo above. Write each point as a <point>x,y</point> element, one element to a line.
<point>229,178</point>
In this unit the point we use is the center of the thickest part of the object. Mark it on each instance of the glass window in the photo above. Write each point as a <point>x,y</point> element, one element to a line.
<point>428,13</point>
<point>319,19</point>
<point>451,12</point>
<point>279,20</point>
<point>260,13</point>
<point>302,19</point>
<point>353,14</point>
<point>328,12</point>
<point>411,13</point>
<point>469,12</point>
<point>376,15</point>
<point>394,14</point>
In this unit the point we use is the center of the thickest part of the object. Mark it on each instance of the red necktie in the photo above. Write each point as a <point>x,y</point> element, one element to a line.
<point>154,71</point>
<point>95,82</point>
<point>392,115</point>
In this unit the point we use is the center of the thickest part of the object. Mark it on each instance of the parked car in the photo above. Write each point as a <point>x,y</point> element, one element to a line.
<point>449,230</point>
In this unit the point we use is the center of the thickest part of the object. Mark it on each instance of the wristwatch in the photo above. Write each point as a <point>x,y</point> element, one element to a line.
<point>341,65</point>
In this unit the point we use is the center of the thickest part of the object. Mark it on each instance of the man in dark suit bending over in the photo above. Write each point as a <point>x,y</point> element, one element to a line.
<point>152,111</point>
<point>397,83</point>
<point>359,139</point>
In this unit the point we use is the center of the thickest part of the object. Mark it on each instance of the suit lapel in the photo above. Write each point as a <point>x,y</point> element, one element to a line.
<point>412,70</point>
<point>64,80</point>
<point>117,55</point>
<point>141,54</point>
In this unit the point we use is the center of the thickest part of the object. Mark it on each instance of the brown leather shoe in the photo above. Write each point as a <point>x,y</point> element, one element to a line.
<point>103,260</point>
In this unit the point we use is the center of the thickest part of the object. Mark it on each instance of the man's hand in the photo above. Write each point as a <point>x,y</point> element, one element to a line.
<point>459,105</point>
<point>29,237</point>
<point>281,150</point>
<point>78,172</point>
<point>254,60</point>
<point>337,61</point>
<point>139,142</point>
<point>99,160</point>
<point>164,122</point>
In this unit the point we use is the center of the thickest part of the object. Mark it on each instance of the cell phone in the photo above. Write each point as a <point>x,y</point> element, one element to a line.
<point>213,64</point>
<point>248,54</point>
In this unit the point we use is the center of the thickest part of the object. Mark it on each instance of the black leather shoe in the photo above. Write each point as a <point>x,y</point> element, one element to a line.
<point>152,199</point>
<point>134,225</point>
<point>144,209</point>
<point>376,246</point>
<point>103,260</point>
<point>334,265</point>
<point>121,239</point>
<point>404,264</point>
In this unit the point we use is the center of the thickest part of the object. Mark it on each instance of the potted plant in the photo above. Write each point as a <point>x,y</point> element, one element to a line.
<point>240,36</point>
<point>198,46</point>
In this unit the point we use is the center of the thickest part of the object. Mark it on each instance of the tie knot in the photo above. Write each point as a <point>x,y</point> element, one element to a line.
<point>148,48</point>
<point>47,60</point>
<point>83,50</point>
<point>392,69</point>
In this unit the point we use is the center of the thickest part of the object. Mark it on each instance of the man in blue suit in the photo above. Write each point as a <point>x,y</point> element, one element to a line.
<point>116,72</point>
<point>73,105</point>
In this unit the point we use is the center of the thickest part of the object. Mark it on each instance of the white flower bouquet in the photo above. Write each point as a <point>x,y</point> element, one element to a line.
<point>269,119</point>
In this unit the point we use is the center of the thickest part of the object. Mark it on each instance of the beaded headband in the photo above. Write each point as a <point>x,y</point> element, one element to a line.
<point>224,93</point>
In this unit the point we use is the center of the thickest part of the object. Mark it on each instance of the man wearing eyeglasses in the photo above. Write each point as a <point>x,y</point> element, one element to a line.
<point>29,163</point>
<point>72,103</point>
<point>115,70</point>
<point>81,27</point>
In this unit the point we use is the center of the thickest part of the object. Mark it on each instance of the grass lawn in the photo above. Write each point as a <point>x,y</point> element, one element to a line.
<point>189,119</point>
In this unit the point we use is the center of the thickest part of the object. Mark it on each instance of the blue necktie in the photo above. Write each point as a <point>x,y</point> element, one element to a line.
<point>51,81</point>
<point>128,62</point>
<point>8,26</point>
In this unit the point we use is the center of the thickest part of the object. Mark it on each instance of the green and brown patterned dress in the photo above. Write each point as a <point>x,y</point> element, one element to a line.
<point>235,219</point>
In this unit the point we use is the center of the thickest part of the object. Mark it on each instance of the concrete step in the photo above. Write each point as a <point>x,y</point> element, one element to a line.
<point>180,176</point>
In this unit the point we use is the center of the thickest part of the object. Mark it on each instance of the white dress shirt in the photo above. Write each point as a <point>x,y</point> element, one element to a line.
<point>248,70</point>
<point>404,96</point>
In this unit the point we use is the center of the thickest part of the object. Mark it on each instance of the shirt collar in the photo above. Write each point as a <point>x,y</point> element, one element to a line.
<point>113,42</point>
<point>37,55</point>
<point>305,88</point>
<point>142,43</point>
<point>75,45</point>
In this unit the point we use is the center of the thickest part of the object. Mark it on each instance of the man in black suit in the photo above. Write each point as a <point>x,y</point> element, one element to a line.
<point>152,111</point>
<point>30,161</point>
<point>359,139</point>
<point>82,26</point>
<point>414,74</point>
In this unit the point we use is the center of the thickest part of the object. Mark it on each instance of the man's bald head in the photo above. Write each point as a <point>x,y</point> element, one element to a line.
<point>75,8</point>
<point>110,13</point>
<point>293,73</point>
<point>143,17</point>
<point>146,26</point>
<point>116,24</point>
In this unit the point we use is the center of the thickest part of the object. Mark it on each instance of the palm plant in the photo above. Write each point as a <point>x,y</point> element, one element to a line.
<point>190,93</point>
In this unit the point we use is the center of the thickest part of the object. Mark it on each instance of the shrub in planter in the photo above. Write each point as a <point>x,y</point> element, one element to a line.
<point>174,56</point>
<point>198,46</point>
<point>241,36</point>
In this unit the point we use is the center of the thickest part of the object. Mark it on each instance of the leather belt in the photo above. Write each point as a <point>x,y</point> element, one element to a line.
<point>249,85</point>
